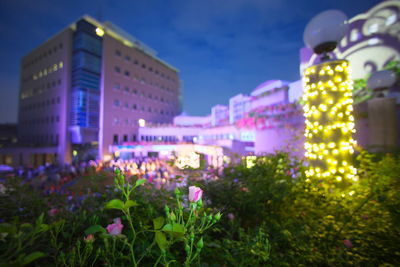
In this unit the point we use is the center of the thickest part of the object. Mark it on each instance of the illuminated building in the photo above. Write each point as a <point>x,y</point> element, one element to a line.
<point>86,88</point>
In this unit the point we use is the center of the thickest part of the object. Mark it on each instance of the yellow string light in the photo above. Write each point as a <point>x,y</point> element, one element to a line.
<point>329,121</point>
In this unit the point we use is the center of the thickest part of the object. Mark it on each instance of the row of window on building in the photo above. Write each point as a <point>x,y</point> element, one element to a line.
<point>40,89</point>
<point>124,139</point>
<point>42,104</point>
<point>42,120</point>
<point>47,71</point>
<point>52,139</point>
<point>165,138</point>
<point>142,80</point>
<point>143,65</point>
<point>135,107</point>
<point>374,28</point>
<point>48,52</point>
<point>142,94</point>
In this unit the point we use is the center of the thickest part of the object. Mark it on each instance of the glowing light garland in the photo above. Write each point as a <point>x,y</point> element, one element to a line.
<point>328,113</point>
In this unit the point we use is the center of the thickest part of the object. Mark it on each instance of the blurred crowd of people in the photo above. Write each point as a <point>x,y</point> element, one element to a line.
<point>55,179</point>
<point>154,170</point>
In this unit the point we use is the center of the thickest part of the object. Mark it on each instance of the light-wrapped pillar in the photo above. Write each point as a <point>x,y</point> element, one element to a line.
<point>328,112</point>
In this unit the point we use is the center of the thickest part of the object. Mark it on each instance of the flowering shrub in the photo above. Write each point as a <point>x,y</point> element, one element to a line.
<point>305,224</point>
<point>274,217</point>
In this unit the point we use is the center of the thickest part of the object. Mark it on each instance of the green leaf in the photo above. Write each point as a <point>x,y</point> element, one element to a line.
<point>115,204</point>
<point>26,226</point>
<point>161,240</point>
<point>176,229</point>
<point>140,182</point>
<point>130,203</point>
<point>158,223</point>
<point>32,257</point>
<point>95,229</point>
<point>8,228</point>
<point>39,220</point>
<point>43,227</point>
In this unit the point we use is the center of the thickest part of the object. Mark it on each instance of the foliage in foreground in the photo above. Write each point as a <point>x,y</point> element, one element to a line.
<point>271,217</point>
<point>310,223</point>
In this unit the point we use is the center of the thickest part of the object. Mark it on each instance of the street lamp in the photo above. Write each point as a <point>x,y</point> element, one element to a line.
<point>324,32</point>
<point>381,81</point>
<point>328,108</point>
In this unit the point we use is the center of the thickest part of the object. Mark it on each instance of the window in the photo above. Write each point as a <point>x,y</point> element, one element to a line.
<point>373,28</point>
<point>126,105</point>
<point>134,106</point>
<point>127,58</point>
<point>116,120</point>
<point>116,86</point>
<point>143,66</point>
<point>135,91</point>
<point>116,103</point>
<point>373,41</point>
<point>127,73</point>
<point>134,138</point>
<point>136,62</point>
<point>118,53</point>
<point>125,138</point>
<point>126,89</point>
<point>115,139</point>
<point>117,69</point>
<point>390,20</point>
<point>149,109</point>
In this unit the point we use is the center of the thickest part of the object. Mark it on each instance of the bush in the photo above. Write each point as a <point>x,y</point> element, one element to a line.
<point>271,216</point>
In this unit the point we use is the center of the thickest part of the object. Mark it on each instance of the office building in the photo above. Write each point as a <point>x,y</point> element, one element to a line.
<point>86,88</point>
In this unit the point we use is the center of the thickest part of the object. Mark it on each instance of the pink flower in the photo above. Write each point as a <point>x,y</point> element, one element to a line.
<point>231,216</point>
<point>116,227</point>
<point>53,212</point>
<point>89,238</point>
<point>347,243</point>
<point>195,193</point>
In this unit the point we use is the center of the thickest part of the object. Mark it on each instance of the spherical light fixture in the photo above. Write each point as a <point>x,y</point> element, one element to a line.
<point>325,30</point>
<point>381,81</point>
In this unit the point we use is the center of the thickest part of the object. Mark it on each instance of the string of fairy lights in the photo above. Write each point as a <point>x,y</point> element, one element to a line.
<point>329,121</point>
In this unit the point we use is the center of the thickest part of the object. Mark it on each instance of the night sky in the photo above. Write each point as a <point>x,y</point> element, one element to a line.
<point>221,47</point>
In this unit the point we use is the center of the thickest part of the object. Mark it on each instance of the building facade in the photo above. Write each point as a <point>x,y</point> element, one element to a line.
<point>85,89</point>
